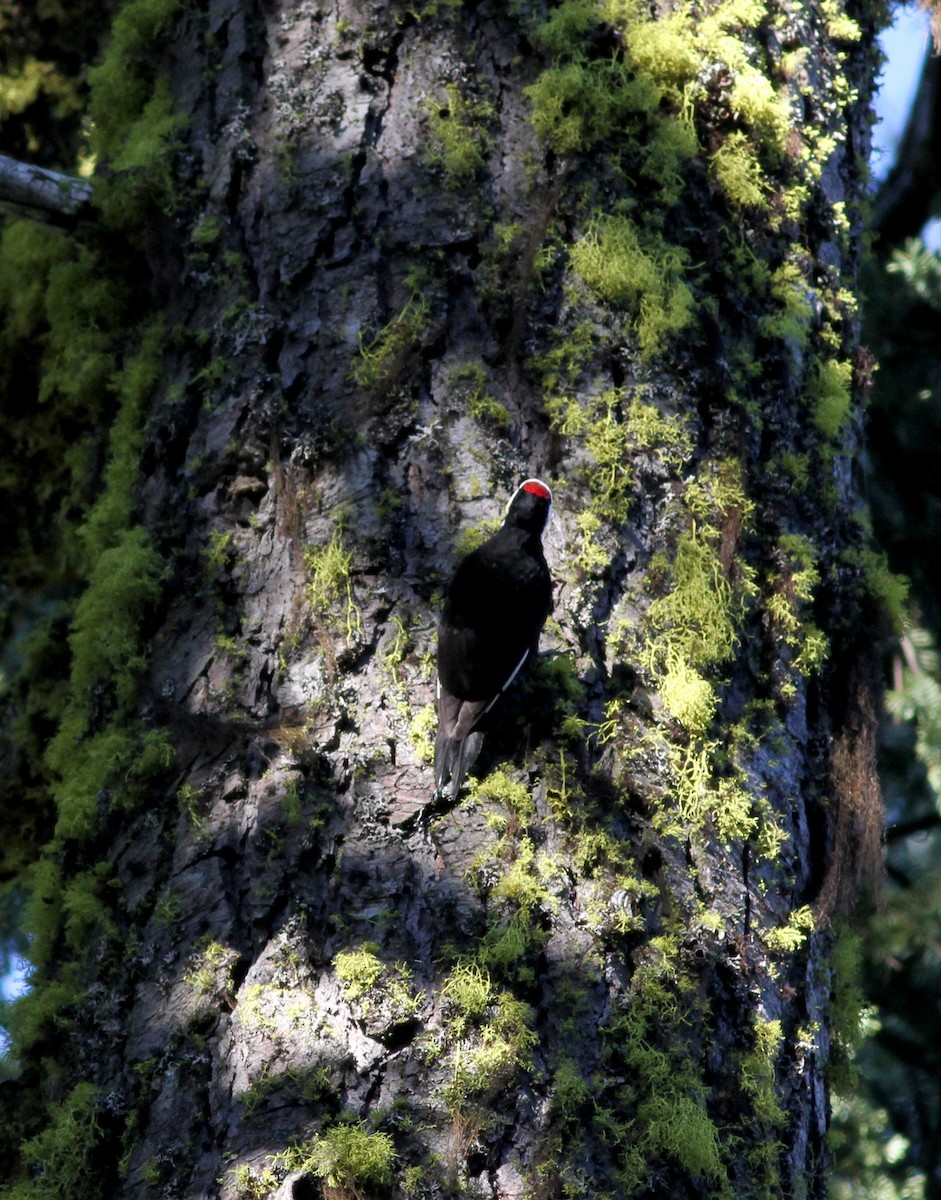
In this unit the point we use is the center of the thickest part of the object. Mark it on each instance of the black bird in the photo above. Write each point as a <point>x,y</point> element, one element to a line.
<point>493,613</point>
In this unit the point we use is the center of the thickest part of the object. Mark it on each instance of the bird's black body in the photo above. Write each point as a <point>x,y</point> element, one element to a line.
<point>493,613</point>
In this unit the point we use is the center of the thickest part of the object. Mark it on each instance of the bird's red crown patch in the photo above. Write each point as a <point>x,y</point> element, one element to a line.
<point>537,489</point>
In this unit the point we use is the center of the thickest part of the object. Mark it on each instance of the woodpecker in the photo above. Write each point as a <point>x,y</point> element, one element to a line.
<point>494,611</point>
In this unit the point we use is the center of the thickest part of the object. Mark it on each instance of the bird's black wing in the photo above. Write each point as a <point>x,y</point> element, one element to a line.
<point>495,608</point>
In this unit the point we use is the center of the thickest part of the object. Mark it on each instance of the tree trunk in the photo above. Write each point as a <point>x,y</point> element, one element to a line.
<point>398,259</point>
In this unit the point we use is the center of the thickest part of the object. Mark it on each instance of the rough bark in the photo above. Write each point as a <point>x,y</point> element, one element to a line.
<point>602,972</point>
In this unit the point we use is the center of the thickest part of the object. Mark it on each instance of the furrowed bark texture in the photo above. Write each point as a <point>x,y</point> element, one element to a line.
<point>419,255</point>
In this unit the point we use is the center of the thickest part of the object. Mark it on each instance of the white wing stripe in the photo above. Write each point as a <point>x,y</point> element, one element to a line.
<point>515,672</point>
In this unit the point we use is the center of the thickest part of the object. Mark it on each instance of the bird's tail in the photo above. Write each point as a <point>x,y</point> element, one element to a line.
<point>454,757</point>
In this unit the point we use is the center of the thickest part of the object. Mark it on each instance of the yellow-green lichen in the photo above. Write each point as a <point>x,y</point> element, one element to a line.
<point>789,604</point>
<point>421,732</point>
<point>642,274</point>
<point>372,985</point>
<point>694,628</point>
<point>840,26</point>
<point>352,1159</point>
<point>329,583</point>
<point>790,937</point>
<point>521,899</point>
<point>458,135</point>
<point>490,1056</point>
<point>210,969</point>
<point>470,386</point>
<point>754,99</point>
<point>757,1072</point>
<point>359,970</point>
<point>349,1158</point>
<point>613,427</point>
<point>738,172</point>
<point>467,993</point>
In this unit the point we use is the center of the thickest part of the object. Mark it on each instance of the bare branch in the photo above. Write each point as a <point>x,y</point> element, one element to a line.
<point>49,197</point>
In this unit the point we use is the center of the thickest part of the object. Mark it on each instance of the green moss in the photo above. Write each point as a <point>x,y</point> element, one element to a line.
<point>207,231</point>
<point>643,275</point>
<point>144,178</point>
<point>62,1155</point>
<point>569,1092</point>
<point>91,363</point>
<point>672,143</point>
<point>121,84</point>
<point>830,391</point>
<point>847,1011</point>
<point>28,252</point>
<point>470,384</point>
<point>791,295</point>
<point>84,308</point>
<point>210,971</point>
<point>106,634</point>
<point>107,662</point>
<point>86,916</point>
<point>383,358</point>
<point>112,513</point>
<point>134,126</point>
<point>889,589</point>
<point>661,1109</point>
